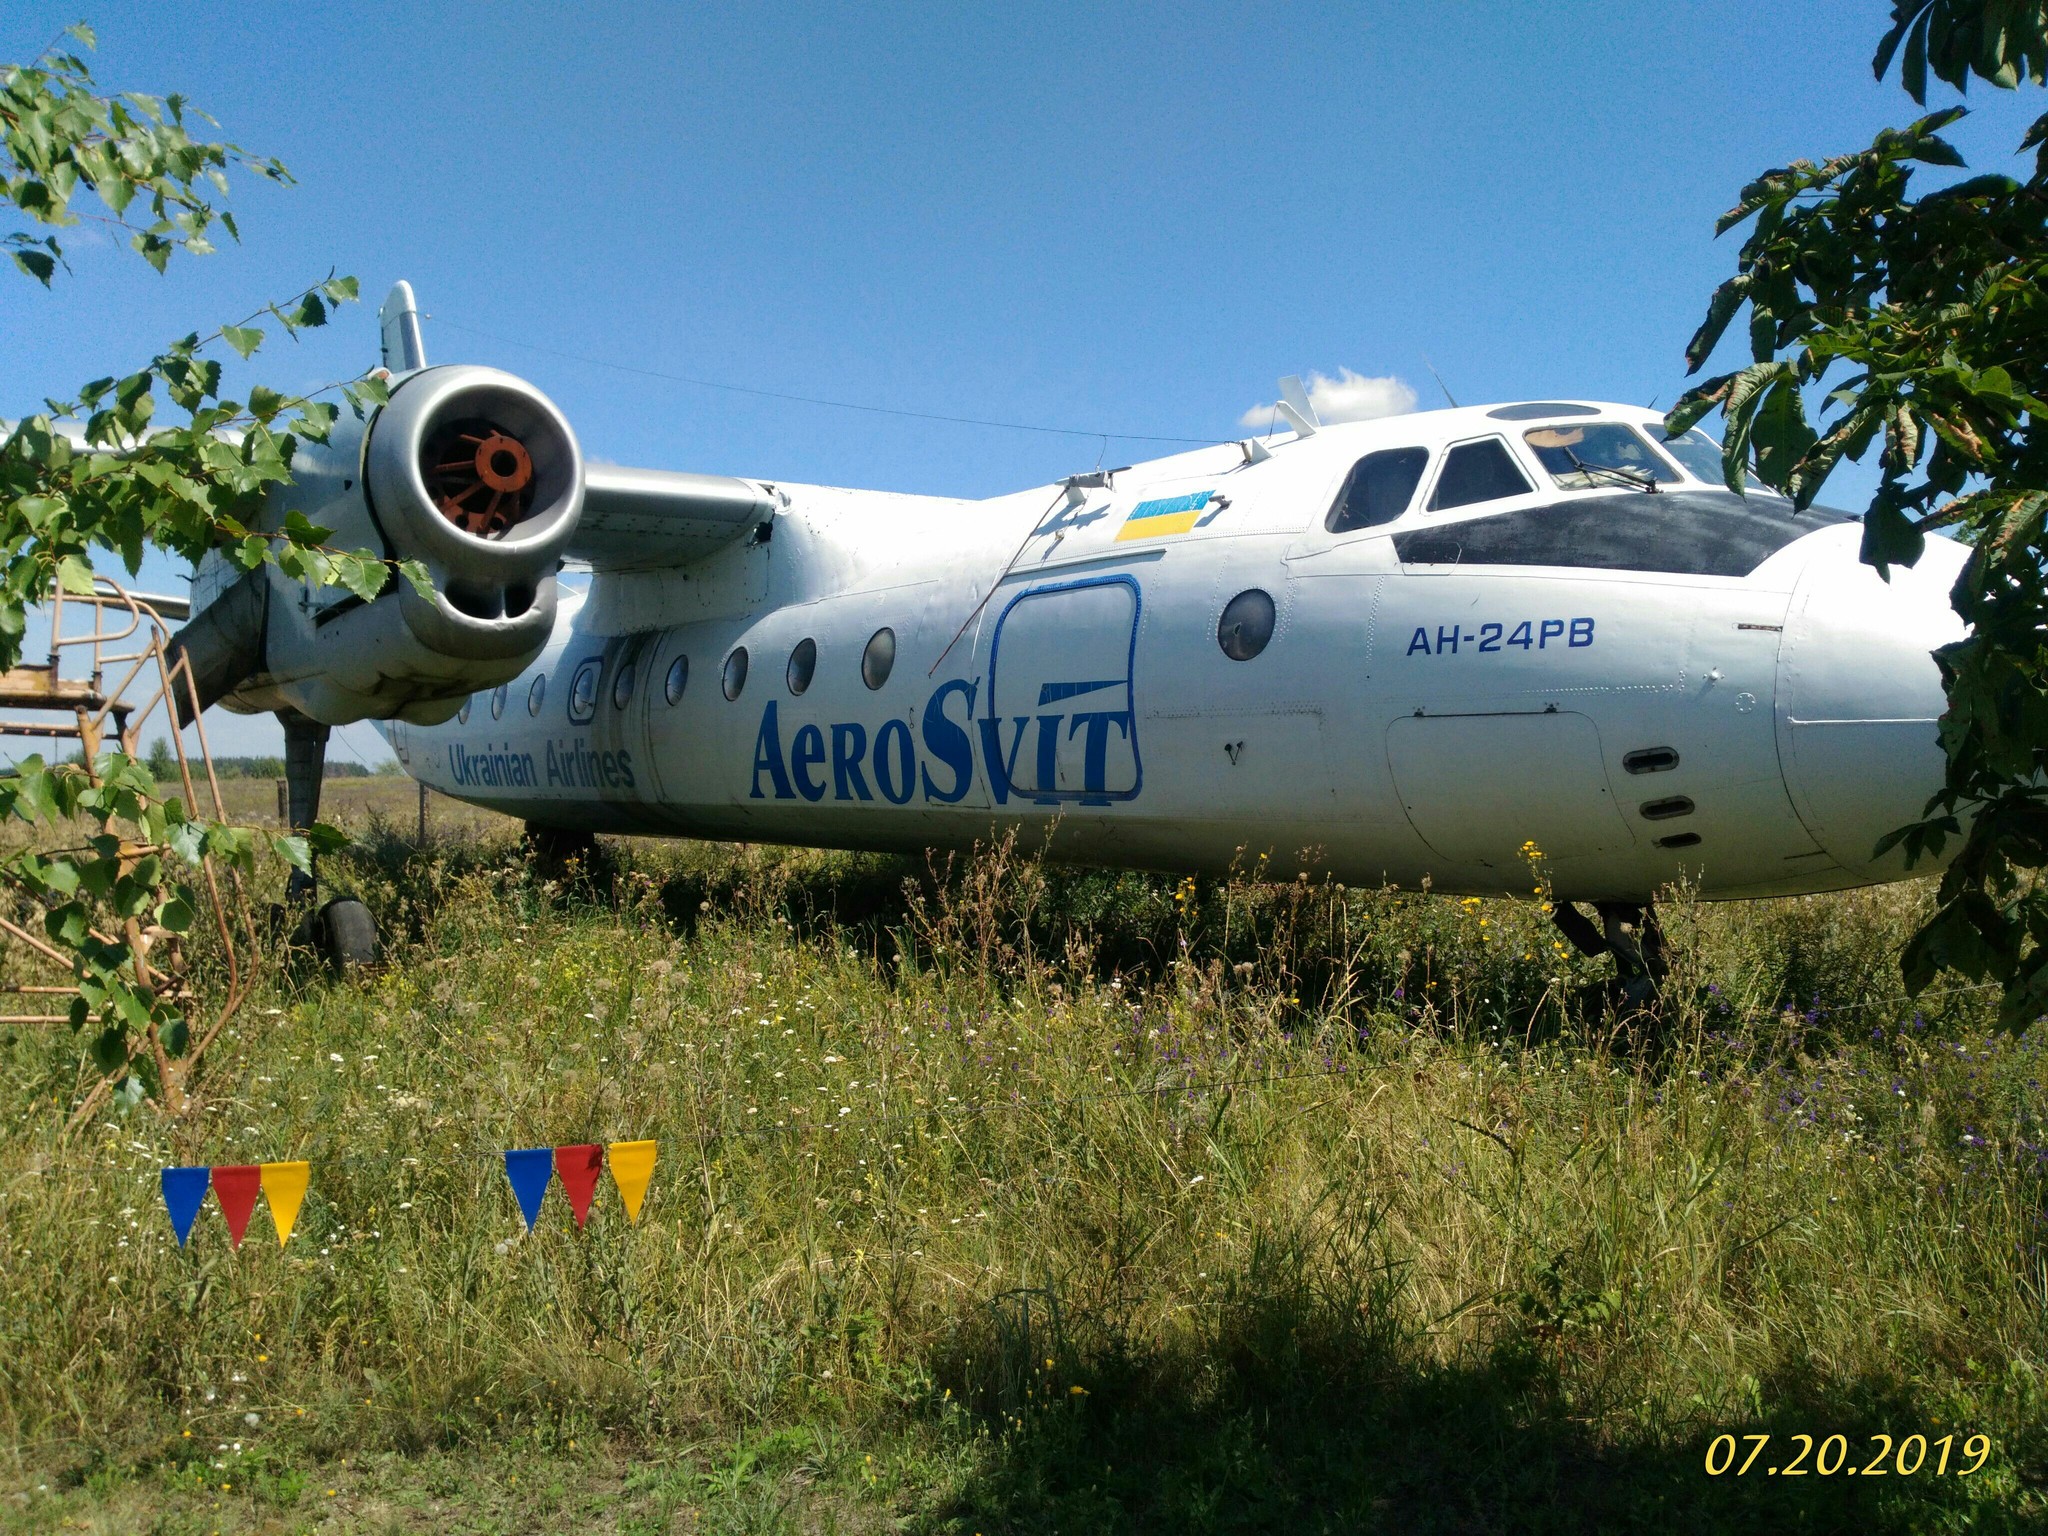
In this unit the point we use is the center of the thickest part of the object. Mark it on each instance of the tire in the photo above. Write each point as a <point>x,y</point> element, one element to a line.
<point>342,933</point>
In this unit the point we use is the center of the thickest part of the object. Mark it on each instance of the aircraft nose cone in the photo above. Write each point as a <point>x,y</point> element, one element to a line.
<point>1859,695</point>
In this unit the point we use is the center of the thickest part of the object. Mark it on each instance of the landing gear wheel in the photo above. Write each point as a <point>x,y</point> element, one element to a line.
<point>571,857</point>
<point>1632,934</point>
<point>1637,940</point>
<point>342,933</point>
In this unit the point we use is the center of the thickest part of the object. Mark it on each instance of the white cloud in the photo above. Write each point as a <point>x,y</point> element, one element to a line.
<point>1348,397</point>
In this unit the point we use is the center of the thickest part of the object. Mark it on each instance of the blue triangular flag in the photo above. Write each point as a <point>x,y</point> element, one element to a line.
<point>184,1193</point>
<point>529,1169</point>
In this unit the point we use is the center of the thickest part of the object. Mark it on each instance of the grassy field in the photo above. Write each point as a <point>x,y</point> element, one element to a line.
<point>1001,1198</point>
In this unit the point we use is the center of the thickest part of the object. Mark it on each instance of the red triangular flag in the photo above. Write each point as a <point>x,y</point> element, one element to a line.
<point>578,1167</point>
<point>236,1187</point>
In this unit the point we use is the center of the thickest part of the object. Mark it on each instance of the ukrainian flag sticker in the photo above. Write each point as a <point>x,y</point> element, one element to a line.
<point>1156,519</point>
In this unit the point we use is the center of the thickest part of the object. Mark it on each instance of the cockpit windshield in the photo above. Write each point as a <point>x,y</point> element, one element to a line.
<point>1600,455</point>
<point>1700,455</point>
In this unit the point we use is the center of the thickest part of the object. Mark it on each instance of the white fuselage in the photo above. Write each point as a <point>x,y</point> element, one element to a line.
<point>1423,709</point>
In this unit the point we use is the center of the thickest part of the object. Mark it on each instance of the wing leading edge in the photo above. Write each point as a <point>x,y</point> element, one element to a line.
<point>651,519</point>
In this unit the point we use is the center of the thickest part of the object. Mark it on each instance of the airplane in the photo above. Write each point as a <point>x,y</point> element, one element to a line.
<point>1415,650</point>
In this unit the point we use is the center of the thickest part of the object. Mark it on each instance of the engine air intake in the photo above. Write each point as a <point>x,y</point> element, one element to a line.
<point>480,476</point>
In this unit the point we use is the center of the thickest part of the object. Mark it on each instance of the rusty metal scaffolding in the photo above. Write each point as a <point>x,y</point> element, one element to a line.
<point>110,670</point>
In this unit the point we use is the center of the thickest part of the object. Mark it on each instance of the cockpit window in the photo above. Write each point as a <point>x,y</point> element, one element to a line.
<point>1691,531</point>
<point>1379,490</point>
<point>1700,455</point>
<point>1598,455</point>
<point>1474,472</point>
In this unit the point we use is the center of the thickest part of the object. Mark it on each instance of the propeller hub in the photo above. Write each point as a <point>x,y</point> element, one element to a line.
<point>480,476</point>
<point>503,464</point>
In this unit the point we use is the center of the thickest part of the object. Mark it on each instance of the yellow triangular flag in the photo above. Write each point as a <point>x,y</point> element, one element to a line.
<point>632,1165</point>
<point>284,1186</point>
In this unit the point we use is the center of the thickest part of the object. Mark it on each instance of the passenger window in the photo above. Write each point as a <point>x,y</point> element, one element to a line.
<point>1379,490</point>
<point>583,691</point>
<point>1481,471</point>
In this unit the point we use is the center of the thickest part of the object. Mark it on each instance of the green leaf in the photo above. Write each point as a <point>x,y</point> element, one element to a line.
<point>326,839</point>
<point>245,339</point>
<point>75,576</point>
<point>110,1048</point>
<point>300,530</point>
<point>39,265</point>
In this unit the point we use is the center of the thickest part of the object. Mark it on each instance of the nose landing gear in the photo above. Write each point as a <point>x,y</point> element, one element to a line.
<point>1628,931</point>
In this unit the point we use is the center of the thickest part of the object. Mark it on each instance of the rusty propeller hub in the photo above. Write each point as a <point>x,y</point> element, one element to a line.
<point>481,478</point>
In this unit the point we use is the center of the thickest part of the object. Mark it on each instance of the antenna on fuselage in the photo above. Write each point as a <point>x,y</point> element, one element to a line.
<point>1440,384</point>
<point>1294,405</point>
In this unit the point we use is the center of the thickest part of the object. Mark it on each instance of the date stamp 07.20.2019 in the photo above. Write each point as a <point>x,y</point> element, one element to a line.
<point>1831,1456</point>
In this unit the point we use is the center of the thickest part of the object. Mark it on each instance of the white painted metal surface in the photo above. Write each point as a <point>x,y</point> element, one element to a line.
<point>1754,724</point>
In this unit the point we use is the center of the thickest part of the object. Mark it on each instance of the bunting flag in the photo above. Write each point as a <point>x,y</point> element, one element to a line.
<point>529,1169</point>
<point>577,1167</point>
<point>284,1187</point>
<point>235,1186</point>
<point>632,1165</point>
<point>184,1191</point>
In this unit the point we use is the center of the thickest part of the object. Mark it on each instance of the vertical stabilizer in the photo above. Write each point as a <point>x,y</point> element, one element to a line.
<point>400,319</point>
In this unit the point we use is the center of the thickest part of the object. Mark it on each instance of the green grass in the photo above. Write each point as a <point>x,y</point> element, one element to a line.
<point>1011,1199</point>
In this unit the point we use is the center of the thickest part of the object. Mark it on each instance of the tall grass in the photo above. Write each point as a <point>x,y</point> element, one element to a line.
<point>1087,1200</point>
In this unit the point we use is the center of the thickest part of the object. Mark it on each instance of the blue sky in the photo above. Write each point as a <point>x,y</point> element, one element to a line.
<point>1127,219</point>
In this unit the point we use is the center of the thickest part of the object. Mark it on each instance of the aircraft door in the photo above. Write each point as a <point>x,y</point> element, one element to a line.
<point>618,722</point>
<point>1060,725</point>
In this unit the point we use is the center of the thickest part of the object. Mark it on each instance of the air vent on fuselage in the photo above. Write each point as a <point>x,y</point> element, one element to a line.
<point>1666,809</point>
<point>1680,840</point>
<point>1651,760</point>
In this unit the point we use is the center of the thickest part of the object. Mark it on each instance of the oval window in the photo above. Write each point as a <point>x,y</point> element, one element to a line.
<point>678,679</point>
<point>803,661</point>
<point>622,687</point>
<point>583,691</point>
<point>536,694</point>
<point>735,672</point>
<point>879,659</point>
<point>498,701</point>
<point>462,714</point>
<point>1246,626</point>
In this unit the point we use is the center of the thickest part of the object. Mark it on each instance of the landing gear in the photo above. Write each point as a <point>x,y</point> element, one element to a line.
<point>305,768</point>
<point>1629,932</point>
<point>570,857</point>
<point>341,932</point>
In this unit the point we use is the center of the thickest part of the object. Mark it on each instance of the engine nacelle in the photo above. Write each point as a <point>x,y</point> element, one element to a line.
<point>473,473</point>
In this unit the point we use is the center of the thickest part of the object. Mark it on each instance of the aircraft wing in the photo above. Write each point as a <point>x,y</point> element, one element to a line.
<point>650,519</point>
